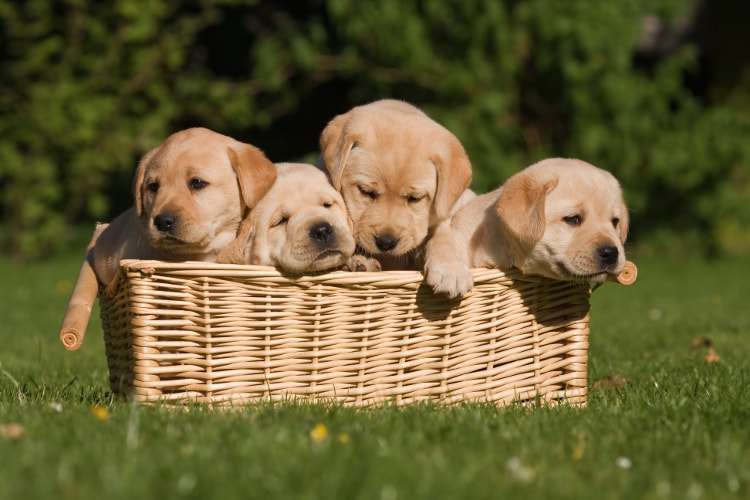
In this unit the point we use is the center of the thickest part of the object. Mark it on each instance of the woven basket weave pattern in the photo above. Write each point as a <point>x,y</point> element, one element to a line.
<point>213,333</point>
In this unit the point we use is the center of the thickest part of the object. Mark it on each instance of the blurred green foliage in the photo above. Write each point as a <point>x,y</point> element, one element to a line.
<point>88,87</point>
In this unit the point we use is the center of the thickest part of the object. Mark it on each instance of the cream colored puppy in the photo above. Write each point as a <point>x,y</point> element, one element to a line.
<point>300,225</point>
<point>400,173</point>
<point>191,193</point>
<point>560,218</point>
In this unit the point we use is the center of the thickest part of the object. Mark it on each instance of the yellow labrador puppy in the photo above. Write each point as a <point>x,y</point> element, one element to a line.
<point>300,225</point>
<point>191,193</point>
<point>560,218</point>
<point>400,173</point>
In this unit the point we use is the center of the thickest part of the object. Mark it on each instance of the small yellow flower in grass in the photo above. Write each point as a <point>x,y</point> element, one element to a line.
<point>579,450</point>
<point>343,438</point>
<point>100,412</point>
<point>319,433</point>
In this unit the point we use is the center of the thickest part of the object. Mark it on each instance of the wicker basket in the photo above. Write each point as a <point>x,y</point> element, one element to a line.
<point>212,333</point>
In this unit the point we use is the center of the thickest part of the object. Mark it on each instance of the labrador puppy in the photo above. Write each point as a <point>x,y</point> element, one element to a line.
<point>191,193</point>
<point>400,174</point>
<point>560,218</point>
<point>300,225</point>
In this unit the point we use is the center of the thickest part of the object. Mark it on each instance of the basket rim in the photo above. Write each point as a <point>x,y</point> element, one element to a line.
<point>348,278</point>
<point>393,278</point>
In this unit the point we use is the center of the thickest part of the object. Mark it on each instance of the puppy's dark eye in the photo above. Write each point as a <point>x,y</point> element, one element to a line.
<point>369,193</point>
<point>414,198</point>
<point>327,204</point>
<point>615,222</point>
<point>573,220</point>
<point>280,221</point>
<point>153,186</point>
<point>196,184</point>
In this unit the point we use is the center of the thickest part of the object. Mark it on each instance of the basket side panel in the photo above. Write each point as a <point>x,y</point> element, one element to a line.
<point>116,317</point>
<point>179,335</point>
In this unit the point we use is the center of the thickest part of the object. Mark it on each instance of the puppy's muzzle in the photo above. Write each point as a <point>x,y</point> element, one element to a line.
<point>608,254</point>
<point>322,232</point>
<point>165,222</point>
<point>386,242</point>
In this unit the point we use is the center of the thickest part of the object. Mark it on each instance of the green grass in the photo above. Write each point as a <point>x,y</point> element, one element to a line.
<point>681,429</point>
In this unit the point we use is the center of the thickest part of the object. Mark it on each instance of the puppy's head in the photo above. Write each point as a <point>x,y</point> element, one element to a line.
<point>399,171</point>
<point>564,219</point>
<point>301,224</point>
<point>192,191</point>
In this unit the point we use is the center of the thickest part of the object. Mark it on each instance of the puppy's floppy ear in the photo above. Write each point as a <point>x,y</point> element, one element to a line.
<point>520,207</point>
<point>453,177</point>
<point>237,251</point>
<point>140,174</point>
<point>624,225</point>
<point>335,144</point>
<point>255,173</point>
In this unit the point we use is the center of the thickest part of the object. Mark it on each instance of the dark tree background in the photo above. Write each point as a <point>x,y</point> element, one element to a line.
<point>654,90</point>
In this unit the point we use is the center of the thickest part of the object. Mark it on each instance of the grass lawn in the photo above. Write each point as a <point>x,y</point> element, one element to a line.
<point>679,429</point>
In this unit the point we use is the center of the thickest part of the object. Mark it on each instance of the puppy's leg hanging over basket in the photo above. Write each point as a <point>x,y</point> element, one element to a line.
<point>82,300</point>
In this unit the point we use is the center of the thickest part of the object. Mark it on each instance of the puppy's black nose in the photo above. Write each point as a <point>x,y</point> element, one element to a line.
<point>164,222</point>
<point>321,232</point>
<point>385,243</point>
<point>608,254</point>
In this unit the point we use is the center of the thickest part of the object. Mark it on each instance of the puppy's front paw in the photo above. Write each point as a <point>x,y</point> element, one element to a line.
<point>362,263</point>
<point>453,278</point>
